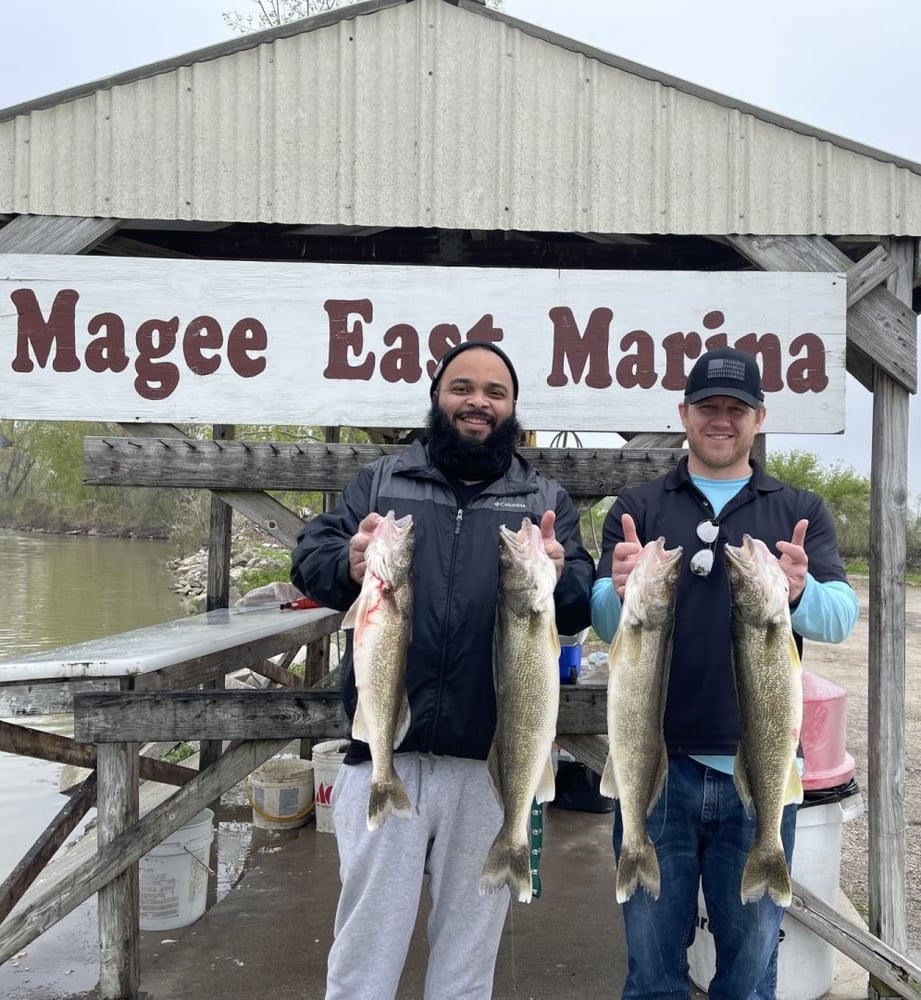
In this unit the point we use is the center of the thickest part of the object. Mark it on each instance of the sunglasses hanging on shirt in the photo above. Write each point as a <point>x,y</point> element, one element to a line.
<point>702,561</point>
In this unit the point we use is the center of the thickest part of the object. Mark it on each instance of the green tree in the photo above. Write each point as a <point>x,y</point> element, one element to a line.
<point>845,492</point>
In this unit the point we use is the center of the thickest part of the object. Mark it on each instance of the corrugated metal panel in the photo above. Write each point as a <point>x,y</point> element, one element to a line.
<point>423,114</point>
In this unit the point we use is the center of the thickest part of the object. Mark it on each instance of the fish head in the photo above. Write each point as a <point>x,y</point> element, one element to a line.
<point>526,573</point>
<point>389,555</point>
<point>649,596</point>
<point>760,589</point>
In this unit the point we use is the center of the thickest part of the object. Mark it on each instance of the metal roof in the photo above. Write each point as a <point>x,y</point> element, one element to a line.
<point>433,113</point>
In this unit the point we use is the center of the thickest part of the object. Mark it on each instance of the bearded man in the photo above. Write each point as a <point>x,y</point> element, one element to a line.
<point>459,484</point>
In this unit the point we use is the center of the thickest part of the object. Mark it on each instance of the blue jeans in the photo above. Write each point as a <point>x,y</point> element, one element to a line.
<point>701,834</point>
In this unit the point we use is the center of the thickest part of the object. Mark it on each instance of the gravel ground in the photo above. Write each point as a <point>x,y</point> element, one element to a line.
<point>846,665</point>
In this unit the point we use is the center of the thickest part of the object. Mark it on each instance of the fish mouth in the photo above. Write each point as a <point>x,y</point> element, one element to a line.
<point>742,555</point>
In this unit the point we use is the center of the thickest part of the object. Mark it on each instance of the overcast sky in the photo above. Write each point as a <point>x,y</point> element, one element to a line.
<point>836,64</point>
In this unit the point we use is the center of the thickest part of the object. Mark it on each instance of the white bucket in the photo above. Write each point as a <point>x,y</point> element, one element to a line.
<point>174,876</point>
<point>281,793</point>
<point>327,758</point>
<point>805,963</point>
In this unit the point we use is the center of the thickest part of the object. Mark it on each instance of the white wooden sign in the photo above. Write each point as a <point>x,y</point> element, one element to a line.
<point>127,339</point>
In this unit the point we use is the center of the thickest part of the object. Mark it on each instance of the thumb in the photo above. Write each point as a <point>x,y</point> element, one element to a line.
<point>547,522</point>
<point>799,532</point>
<point>629,526</point>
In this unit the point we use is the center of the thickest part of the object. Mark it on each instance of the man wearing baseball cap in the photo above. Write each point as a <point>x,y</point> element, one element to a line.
<point>699,826</point>
<point>460,484</point>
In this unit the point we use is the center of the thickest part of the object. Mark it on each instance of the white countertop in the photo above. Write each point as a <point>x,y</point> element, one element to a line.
<point>154,647</point>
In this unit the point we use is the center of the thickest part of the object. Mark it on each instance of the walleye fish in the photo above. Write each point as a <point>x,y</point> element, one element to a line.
<point>382,619</point>
<point>768,679</point>
<point>527,677</point>
<point>637,763</point>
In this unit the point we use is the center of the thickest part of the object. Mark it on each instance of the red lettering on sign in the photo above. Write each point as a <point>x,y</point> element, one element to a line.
<point>343,338</point>
<point>577,348</point>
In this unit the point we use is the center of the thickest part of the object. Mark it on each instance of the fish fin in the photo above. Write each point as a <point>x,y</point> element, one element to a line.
<point>793,654</point>
<point>661,778</point>
<point>507,864</point>
<point>546,789</point>
<point>740,779</point>
<point>554,639</point>
<point>356,614</point>
<point>403,721</point>
<point>638,868</point>
<point>793,792</point>
<point>387,798</point>
<point>360,729</point>
<point>608,786</point>
<point>495,775</point>
<point>766,872</point>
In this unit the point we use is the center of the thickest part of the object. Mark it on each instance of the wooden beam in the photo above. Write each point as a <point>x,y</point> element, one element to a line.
<point>891,968</point>
<point>54,234</point>
<point>886,646</point>
<point>288,714</point>
<point>119,898</point>
<point>204,715</point>
<point>867,273</point>
<point>62,750</point>
<point>134,461</point>
<point>881,328</point>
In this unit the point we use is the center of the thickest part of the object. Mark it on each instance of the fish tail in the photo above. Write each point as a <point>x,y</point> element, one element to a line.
<point>507,864</point>
<point>635,868</point>
<point>387,797</point>
<point>766,872</point>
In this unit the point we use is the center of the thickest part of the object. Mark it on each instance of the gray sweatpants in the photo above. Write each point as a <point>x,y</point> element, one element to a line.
<point>455,818</point>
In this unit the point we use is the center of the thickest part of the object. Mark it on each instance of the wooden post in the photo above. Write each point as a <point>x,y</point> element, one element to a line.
<point>220,543</point>
<point>119,934</point>
<point>886,691</point>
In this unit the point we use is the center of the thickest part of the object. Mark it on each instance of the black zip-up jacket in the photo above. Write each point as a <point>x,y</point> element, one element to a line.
<point>449,671</point>
<point>701,710</point>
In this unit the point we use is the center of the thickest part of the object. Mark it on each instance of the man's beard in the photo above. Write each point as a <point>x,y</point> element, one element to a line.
<point>463,458</point>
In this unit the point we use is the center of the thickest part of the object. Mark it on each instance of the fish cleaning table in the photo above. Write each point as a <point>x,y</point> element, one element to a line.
<point>195,639</point>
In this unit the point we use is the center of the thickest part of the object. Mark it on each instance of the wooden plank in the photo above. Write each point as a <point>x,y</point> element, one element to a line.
<point>259,507</point>
<point>589,750</point>
<point>290,714</point>
<point>62,750</point>
<point>278,674</point>
<point>117,461</point>
<point>46,697</point>
<point>55,234</point>
<point>893,969</point>
<point>199,715</point>
<point>119,898</point>
<point>881,328</point>
<point>867,273</point>
<point>59,899</point>
<point>886,644</point>
<point>46,846</point>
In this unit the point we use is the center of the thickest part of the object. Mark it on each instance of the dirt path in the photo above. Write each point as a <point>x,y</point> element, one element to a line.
<point>846,665</point>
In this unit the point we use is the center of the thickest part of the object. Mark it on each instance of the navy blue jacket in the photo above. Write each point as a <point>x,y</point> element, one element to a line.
<point>701,711</point>
<point>449,672</point>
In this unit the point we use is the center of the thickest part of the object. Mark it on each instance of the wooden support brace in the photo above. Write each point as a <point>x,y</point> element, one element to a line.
<point>867,273</point>
<point>887,965</point>
<point>44,849</point>
<point>128,847</point>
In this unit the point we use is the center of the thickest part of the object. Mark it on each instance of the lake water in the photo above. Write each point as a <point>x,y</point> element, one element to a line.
<point>56,590</point>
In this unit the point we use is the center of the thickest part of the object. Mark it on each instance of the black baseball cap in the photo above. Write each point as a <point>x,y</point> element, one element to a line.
<point>450,355</point>
<point>725,371</point>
